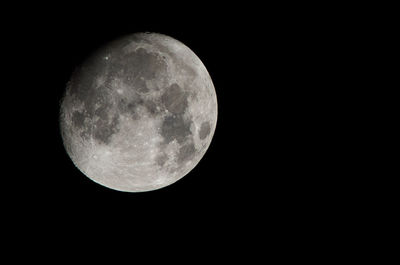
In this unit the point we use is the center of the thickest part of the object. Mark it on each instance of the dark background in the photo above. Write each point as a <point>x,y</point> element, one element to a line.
<point>266,172</point>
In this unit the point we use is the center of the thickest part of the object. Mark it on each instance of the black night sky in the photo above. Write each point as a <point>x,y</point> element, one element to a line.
<point>264,167</point>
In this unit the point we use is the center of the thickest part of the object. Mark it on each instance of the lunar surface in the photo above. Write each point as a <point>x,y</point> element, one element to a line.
<point>139,113</point>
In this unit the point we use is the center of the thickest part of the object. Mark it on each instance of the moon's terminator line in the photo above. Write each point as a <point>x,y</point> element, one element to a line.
<point>139,114</point>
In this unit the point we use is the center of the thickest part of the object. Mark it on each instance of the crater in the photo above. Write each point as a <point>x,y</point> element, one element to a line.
<point>175,128</point>
<point>205,130</point>
<point>175,99</point>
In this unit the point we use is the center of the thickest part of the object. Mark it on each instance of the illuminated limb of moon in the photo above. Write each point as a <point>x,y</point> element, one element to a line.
<point>139,114</point>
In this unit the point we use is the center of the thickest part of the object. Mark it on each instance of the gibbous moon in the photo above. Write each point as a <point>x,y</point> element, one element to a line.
<point>139,113</point>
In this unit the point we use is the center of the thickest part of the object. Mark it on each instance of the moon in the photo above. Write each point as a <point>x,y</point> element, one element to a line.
<point>139,113</point>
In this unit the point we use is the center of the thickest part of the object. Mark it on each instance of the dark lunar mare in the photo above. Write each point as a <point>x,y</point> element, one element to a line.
<point>205,130</point>
<point>128,67</point>
<point>136,67</point>
<point>175,100</point>
<point>175,128</point>
<point>93,120</point>
<point>174,125</point>
<point>132,68</point>
<point>186,152</point>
